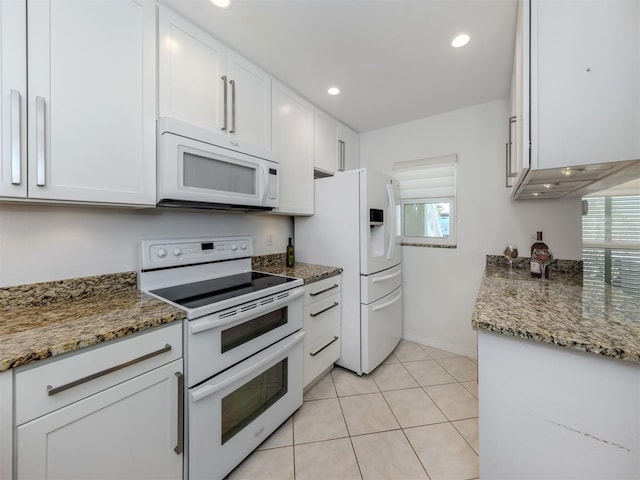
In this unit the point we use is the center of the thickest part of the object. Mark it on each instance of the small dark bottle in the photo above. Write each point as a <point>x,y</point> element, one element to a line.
<point>291,256</point>
<point>535,266</point>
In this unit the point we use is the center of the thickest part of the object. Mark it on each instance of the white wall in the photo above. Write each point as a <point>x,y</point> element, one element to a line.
<point>440,285</point>
<point>43,242</point>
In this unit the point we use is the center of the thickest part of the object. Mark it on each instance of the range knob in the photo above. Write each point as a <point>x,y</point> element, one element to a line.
<point>161,253</point>
<point>243,246</point>
<point>177,251</point>
<point>234,246</point>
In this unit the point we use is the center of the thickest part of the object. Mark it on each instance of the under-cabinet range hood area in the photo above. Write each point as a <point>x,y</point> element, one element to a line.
<point>576,181</point>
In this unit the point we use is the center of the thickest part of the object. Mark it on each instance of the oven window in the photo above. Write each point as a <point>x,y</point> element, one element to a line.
<point>246,331</point>
<point>245,404</point>
<point>205,172</point>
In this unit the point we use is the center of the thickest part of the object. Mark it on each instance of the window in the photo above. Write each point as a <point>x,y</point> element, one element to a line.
<point>611,242</point>
<point>427,211</point>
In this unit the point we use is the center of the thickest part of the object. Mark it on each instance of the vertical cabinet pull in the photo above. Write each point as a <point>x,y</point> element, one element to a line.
<point>341,155</point>
<point>180,445</point>
<point>224,109</point>
<point>508,158</point>
<point>233,106</point>
<point>40,142</point>
<point>15,137</point>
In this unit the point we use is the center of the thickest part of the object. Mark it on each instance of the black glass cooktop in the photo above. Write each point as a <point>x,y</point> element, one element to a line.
<point>206,292</point>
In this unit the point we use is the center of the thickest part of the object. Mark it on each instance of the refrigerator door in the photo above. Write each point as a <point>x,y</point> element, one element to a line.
<point>380,249</point>
<point>378,285</point>
<point>381,329</point>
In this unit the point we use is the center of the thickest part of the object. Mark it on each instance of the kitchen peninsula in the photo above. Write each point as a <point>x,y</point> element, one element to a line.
<point>559,376</point>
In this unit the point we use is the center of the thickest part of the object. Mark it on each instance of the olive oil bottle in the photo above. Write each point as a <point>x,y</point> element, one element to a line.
<point>291,256</point>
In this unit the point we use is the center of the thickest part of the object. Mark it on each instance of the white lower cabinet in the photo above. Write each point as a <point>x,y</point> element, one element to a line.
<point>131,429</point>
<point>322,317</point>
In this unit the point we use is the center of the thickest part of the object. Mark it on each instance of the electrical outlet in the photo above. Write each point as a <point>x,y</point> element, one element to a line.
<point>269,239</point>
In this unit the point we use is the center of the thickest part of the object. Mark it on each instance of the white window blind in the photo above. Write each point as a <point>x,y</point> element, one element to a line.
<point>611,242</point>
<point>427,178</point>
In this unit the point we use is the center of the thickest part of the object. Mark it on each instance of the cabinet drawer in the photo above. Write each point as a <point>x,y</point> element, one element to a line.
<point>380,284</point>
<point>321,289</point>
<point>319,356</point>
<point>47,386</point>
<point>322,318</point>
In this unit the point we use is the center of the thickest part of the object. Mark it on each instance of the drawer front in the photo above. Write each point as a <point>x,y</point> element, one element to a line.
<point>322,318</point>
<point>319,356</point>
<point>43,388</point>
<point>380,284</point>
<point>322,289</point>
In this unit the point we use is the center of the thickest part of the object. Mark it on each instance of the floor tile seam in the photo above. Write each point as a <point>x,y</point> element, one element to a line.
<point>374,378</point>
<point>355,455</point>
<point>357,435</point>
<point>424,467</point>
<point>436,403</point>
<point>451,373</point>
<point>322,440</point>
<point>455,380</point>
<point>463,437</point>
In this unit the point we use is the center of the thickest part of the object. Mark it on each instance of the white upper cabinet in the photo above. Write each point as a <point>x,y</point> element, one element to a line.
<point>586,84</point>
<point>349,145</point>
<point>325,149</point>
<point>90,135</point>
<point>91,102</point>
<point>293,145</point>
<point>13,99</point>
<point>204,83</point>
<point>336,147</point>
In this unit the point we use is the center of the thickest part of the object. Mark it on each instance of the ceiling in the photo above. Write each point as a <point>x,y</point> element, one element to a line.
<point>391,59</point>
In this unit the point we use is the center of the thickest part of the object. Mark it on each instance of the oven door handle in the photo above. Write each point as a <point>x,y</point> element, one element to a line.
<point>211,388</point>
<point>198,326</point>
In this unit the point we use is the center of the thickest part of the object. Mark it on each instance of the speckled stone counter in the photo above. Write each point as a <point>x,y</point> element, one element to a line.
<point>591,317</point>
<point>308,272</point>
<point>46,319</point>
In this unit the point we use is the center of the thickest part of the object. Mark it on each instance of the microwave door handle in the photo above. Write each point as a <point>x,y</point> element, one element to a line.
<point>265,181</point>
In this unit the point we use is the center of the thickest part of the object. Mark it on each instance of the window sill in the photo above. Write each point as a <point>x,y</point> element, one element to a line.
<point>427,245</point>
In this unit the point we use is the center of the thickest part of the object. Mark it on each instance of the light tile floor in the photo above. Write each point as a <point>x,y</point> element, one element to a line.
<point>414,417</point>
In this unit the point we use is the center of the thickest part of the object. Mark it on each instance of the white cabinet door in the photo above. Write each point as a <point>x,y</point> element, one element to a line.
<point>13,99</point>
<point>203,83</point>
<point>350,148</point>
<point>191,69</point>
<point>91,105</point>
<point>249,102</point>
<point>326,148</point>
<point>586,60</point>
<point>293,145</point>
<point>127,431</point>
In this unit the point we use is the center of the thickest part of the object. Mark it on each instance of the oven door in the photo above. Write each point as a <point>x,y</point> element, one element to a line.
<point>222,339</point>
<point>233,412</point>
<point>194,171</point>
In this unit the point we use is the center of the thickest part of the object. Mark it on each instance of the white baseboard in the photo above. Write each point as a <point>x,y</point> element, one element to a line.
<point>449,347</point>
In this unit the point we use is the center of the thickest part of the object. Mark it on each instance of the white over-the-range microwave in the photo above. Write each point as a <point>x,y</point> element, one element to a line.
<point>200,168</point>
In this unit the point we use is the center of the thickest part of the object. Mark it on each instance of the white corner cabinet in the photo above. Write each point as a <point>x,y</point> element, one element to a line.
<point>111,411</point>
<point>80,127</point>
<point>322,319</point>
<point>293,144</point>
<point>576,87</point>
<point>204,83</point>
<point>336,147</point>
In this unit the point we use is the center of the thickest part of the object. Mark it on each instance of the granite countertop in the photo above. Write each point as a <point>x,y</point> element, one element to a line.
<point>308,272</point>
<point>589,316</point>
<point>47,319</point>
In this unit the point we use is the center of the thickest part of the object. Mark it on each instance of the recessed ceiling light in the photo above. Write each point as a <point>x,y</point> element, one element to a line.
<point>221,3</point>
<point>333,91</point>
<point>460,41</point>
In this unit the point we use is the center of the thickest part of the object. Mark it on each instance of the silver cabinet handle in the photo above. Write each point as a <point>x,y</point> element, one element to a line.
<point>314,294</point>
<point>509,173</point>
<point>15,137</point>
<point>313,354</point>
<point>180,446</point>
<point>342,164</point>
<point>53,390</point>
<point>40,142</point>
<point>233,106</point>
<point>224,109</point>
<point>335,304</point>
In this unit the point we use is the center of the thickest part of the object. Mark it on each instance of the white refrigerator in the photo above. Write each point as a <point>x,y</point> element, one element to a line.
<point>354,227</point>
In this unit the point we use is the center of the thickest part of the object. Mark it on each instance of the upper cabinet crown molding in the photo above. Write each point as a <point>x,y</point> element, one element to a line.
<point>90,108</point>
<point>203,82</point>
<point>576,95</point>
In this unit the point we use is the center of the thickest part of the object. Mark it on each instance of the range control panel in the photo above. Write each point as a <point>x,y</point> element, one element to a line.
<point>186,251</point>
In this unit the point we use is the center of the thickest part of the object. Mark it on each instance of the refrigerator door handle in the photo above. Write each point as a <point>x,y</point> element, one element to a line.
<point>392,223</point>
